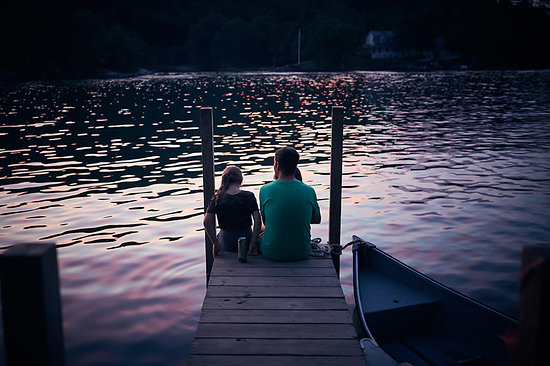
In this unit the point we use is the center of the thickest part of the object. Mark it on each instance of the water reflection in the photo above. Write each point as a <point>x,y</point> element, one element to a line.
<point>447,171</point>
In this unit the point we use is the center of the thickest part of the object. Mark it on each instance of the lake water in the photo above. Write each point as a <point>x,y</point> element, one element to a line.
<point>449,172</point>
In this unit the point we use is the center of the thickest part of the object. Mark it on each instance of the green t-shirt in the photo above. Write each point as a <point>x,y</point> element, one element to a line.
<point>287,208</point>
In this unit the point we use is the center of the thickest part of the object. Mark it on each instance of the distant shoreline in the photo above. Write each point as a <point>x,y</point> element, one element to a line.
<point>9,77</point>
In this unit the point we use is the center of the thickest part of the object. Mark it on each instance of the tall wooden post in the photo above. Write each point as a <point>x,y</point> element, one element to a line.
<point>534,307</point>
<point>31,306</point>
<point>207,149</point>
<point>335,202</point>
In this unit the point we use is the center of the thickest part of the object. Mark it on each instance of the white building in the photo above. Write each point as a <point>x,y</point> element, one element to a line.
<point>381,44</point>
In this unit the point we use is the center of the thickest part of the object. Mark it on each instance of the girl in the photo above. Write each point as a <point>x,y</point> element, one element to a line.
<point>234,209</point>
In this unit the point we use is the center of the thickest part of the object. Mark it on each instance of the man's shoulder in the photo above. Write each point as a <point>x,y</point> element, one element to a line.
<point>308,188</point>
<point>268,186</point>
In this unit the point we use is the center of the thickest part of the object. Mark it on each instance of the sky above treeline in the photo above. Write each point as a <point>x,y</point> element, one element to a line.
<point>81,38</point>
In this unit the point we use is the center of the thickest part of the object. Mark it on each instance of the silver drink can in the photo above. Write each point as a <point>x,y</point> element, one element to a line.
<point>242,250</point>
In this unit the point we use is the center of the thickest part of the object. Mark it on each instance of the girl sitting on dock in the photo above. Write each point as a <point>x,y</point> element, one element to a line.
<point>235,208</point>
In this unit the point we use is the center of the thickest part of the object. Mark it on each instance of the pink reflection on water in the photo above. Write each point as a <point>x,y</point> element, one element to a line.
<point>145,294</point>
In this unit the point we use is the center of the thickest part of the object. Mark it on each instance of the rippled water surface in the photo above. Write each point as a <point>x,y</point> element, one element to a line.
<point>449,172</point>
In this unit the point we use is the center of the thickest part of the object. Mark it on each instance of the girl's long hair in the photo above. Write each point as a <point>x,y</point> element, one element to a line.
<point>231,174</point>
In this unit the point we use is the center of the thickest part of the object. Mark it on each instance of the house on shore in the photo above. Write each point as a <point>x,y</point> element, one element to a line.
<point>384,45</point>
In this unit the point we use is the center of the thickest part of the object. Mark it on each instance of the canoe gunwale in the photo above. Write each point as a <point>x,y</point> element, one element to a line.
<point>357,293</point>
<point>358,260</point>
<point>362,243</point>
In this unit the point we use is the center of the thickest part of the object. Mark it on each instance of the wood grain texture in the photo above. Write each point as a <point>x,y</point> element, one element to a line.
<point>275,360</point>
<point>275,316</point>
<point>274,313</point>
<point>289,347</point>
<point>278,292</point>
<point>274,281</point>
<point>236,303</point>
<point>281,331</point>
<point>228,260</point>
<point>248,271</point>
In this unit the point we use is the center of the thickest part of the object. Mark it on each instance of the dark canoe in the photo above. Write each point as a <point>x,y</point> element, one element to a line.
<point>418,320</point>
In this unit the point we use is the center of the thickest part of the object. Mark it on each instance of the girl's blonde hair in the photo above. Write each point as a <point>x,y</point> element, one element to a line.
<point>231,174</point>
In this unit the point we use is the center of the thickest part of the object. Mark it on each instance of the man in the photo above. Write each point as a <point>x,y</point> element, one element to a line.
<point>288,207</point>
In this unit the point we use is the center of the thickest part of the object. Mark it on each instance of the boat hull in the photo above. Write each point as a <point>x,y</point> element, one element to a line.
<point>418,320</point>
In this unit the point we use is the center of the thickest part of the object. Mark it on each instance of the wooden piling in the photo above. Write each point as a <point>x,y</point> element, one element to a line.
<point>534,311</point>
<point>31,306</point>
<point>335,202</point>
<point>208,174</point>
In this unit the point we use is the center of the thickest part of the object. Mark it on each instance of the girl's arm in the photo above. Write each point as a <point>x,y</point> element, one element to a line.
<point>254,244</point>
<point>210,228</point>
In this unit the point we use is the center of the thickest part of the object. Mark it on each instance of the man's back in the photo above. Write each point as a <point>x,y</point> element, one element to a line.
<point>287,209</point>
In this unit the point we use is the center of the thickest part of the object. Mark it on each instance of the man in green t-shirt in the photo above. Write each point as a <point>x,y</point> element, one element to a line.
<point>288,207</point>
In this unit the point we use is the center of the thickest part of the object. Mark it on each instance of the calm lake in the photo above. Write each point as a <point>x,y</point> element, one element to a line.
<point>449,172</point>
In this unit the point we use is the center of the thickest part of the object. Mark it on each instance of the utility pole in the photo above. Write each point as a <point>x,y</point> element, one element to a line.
<point>299,37</point>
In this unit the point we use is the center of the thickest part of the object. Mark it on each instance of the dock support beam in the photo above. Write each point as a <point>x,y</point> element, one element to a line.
<point>208,174</point>
<point>31,306</point>
<point>335,202</point>
<point>534,307</point>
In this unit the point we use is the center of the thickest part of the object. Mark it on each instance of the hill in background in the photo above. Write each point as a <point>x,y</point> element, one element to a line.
<point>82,38</point>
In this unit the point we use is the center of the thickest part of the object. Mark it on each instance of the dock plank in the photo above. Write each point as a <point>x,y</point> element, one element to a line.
<point>235,303</point>
<point>284,292</point>
<point>275,360</point>
<point>289,347</point>
<point>274,313</point>
<point>228,261</point>
<point>274,281</point>
<point>288,331</point>
<point>275,316</point>
<point>248,271</point>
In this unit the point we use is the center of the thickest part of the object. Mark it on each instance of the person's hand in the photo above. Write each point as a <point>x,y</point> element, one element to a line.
<point>253,250</point>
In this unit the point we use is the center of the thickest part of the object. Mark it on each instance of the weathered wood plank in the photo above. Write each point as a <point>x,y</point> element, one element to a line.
<point>275,292</point>
<point>250,360</point>
<point>244,346</point>
<point>274,313</point>
<point>306,303</point>
<point>260,262</point>
<point>274,281</point>
<point>273,272</point>
<point>281,331</point>
<point>276,316</point>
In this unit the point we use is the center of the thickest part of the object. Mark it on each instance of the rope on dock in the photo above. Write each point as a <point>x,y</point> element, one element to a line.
<point>319,250</point>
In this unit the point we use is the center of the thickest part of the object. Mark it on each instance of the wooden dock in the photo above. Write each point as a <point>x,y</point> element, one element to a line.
<point>265,313</point>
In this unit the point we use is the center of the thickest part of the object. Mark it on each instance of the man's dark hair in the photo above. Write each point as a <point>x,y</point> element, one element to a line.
<point>287,157</point>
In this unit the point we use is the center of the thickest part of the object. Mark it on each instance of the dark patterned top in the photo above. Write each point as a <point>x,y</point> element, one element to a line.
<point>234,211</point>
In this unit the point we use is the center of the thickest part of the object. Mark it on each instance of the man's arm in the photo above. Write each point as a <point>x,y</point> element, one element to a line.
<point>316,218</point>
<point>316,211</point>
<point>262,213</point>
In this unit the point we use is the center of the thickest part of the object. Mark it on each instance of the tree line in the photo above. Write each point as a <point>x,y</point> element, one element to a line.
<point>81,38</point>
